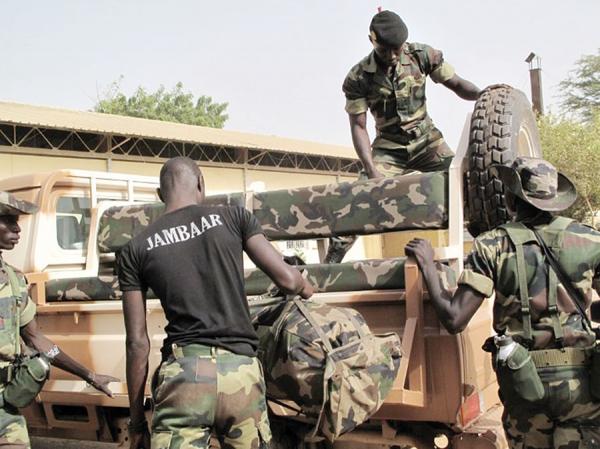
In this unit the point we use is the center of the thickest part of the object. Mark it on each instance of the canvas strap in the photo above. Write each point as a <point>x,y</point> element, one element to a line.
<point>518,233</point>
<point>574,295</point>
<point>14,286</point>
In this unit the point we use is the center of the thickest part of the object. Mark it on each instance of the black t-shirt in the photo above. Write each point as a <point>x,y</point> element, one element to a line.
<point>192,259</point>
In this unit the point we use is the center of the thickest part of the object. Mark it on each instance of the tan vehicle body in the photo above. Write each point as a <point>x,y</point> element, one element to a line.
<point>445,393</point>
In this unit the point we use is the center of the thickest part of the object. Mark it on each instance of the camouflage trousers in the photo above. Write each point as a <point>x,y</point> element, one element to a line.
<point>567,418</point>
<point>428,153</point>
<point>13,429</point>
<point>202,390</point>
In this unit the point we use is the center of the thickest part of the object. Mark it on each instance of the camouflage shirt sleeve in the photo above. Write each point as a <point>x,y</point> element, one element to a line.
<point>432,63</point>
<point>479,268</point>
<point>355,92</point>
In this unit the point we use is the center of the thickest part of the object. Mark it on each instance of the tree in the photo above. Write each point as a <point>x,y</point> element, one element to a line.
<point>176,105</point>
<point>581,90</point>
<point>574,149</point>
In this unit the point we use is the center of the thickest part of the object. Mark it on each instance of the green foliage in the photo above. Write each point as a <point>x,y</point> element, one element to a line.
<point>574,149</point>
<point>581,90</point>
<point>175,105</point>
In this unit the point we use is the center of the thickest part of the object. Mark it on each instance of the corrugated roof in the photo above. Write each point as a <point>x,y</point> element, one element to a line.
<point>66,119</point>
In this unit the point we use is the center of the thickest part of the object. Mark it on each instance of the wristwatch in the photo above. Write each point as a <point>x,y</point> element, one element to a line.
<point>52,352</point>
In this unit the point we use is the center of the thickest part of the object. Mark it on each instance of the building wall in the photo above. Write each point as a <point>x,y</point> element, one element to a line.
<point>218,179</point>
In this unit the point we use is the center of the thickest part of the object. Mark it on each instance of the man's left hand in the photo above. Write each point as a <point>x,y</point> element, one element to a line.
<point>421,250</point>
<point>100,382</point>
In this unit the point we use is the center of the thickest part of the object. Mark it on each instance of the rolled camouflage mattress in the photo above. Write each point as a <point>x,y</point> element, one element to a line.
<point>381,274</point>
<point>415,201</point>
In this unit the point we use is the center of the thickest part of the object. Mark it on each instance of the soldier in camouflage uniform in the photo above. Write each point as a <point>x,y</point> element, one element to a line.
<point>390,82</point>
<point>210,380</point>
<point>17,320</point>
<point>532,306</point>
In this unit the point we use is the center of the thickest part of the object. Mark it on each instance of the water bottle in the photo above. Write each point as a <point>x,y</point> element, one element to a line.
<point>506,345</point>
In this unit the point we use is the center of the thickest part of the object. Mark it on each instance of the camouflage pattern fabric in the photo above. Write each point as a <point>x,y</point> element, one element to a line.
<point>398,103</point>
<point>326,360</point>
<point>11,205</point>
<point>567,418</point>
<point>120,224</point>
<point>418,201</point>
<point>13,429</point>
<point>491,267</point>
<point>16,309</point>
<point>200,390</point>
<point>378,274</point>
<point>83,289</point>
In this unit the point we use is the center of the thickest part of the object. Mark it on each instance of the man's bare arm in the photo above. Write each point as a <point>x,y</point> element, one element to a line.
<point>362,143</point>
<point>33,337</point>
<point>463,88</point>
<point>454,310</point>
<point>137,350</point>
<point>286,277</point>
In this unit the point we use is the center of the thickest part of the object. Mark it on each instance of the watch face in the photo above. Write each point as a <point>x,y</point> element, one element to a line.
<point>53,352</point>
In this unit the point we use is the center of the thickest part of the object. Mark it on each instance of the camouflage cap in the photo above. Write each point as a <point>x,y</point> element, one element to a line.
<point>537,182</point>
<point>388,29</point>
<point>11,205</point>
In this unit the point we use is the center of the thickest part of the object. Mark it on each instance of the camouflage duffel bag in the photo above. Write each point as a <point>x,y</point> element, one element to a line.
<point>327,361</point>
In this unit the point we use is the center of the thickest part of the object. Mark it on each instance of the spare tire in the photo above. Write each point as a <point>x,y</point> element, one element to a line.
<point>503,126</point>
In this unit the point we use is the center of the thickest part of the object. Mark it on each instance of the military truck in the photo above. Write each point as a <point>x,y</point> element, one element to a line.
<point>445,394</point>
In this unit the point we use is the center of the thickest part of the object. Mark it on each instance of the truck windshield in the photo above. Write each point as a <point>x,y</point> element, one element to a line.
<point>72,222</point>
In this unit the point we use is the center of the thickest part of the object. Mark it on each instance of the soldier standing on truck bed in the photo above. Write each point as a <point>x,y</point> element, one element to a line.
<point>210,379</point>
<point>390,82</point>
<point>543,269</point>
<point>17,320</point>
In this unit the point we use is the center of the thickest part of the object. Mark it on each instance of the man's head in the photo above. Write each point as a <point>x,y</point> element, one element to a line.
<point>537,183</point>
<point>181,179</point>
<point>388,33</point>
<point>10,209</point>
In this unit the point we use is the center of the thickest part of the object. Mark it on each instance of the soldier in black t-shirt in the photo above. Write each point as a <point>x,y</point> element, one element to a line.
<point>210,379</point>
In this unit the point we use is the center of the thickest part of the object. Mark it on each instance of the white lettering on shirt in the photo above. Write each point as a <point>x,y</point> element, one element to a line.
<point>170,235</point>
<point>205,224</point>
<point>182,233</point>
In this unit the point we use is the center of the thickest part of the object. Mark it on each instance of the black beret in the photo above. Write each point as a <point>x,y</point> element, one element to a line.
<point>389,29</point>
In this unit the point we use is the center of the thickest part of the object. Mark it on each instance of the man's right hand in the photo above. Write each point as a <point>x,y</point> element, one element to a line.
<point>139,440</point>
<point>307,290</point>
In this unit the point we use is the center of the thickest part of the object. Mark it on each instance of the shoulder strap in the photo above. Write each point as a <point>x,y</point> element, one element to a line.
<point>518,234</point>
<point>15,288</point>
<point>573,294</point>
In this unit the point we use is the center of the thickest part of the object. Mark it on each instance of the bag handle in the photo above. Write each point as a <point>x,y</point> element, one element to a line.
<point>304,311</point>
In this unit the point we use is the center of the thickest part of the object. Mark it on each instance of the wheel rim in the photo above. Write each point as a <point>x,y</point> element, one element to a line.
<point>525,145</point>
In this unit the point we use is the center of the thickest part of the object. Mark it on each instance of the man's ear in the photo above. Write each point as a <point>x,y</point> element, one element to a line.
<point>371,39</point>
<point>201,184</point>
<point>160,197</point>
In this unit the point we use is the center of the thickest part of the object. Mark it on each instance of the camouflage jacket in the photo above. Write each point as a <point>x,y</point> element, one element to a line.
<point>492,267</point>
<point>397,102</point>
<point>10,301</point>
